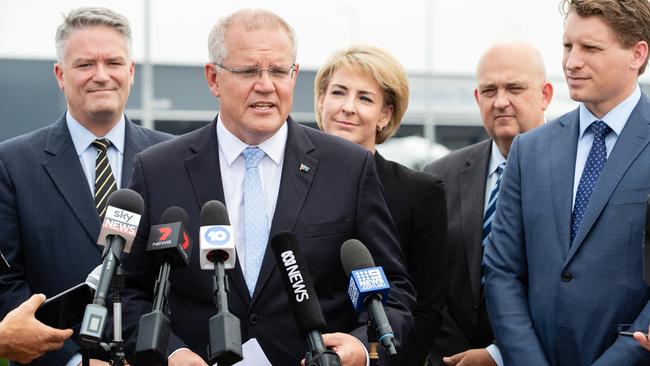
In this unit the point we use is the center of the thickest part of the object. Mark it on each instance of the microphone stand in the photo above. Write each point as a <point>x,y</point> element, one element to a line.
<point>116,347</point>
<point>225,332</point>
<point>373,353</point>
<point>85,356</point>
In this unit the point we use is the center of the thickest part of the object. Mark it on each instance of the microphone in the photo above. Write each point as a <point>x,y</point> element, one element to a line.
<point>217,236</point>
<point>302,297</point>
<point>217,250</point>
<point>368,289</point>
<point>646,243</point>
<point>170,245</point>
<point>118,231</point>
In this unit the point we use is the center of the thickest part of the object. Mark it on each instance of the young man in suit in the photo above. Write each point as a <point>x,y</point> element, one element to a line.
<point>512,94</point>
<point>563,265</point>
<point>50,205</point>
<point>320,187</point>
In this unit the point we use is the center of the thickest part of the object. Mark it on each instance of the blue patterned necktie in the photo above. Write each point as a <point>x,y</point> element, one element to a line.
<point>489,214</point>
<point>255,226</point>
<point>593,167</point>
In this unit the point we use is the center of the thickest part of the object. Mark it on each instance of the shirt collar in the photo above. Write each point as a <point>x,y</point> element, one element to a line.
<point>496,159</point>
<point>615,118</point>
<point>231,147</point>
<point>82,137</point>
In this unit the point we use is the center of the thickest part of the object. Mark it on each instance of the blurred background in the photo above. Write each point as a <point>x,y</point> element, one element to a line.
<point>437,41</point>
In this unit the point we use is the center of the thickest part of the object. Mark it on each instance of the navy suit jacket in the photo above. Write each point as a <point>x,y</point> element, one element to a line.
<point>338,198</point>
<point>552,303</point>
<point>48,221</point>
<point>465,323</point>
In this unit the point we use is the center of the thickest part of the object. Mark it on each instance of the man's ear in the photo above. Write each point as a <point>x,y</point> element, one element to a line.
<point>211,78</point>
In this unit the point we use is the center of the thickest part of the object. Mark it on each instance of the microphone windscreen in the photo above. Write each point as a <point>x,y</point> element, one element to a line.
<point>175,214</point>
<point>355,255</point>
<point>126,199</point>
<point>297,283</point>
<point>214,213</point>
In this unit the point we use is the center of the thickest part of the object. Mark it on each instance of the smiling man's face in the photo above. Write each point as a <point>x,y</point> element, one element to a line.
<point>96,75</point>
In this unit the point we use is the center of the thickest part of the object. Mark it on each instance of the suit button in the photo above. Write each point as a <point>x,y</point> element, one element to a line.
<point>567,276</point>
<point>475,310</point>
<point>252,319</point>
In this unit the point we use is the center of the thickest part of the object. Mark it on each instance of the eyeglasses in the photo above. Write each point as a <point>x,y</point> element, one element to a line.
<point>255,73</point>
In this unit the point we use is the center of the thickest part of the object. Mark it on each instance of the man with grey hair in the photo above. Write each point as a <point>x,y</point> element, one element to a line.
<point>274,175</point>
<point>54,182</point>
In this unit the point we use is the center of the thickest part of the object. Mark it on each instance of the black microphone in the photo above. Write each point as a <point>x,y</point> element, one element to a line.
<point>368,287</point>
<point>217,248</point>
<point>646,243</point>
<point>302,297</point>
<point>171,247</point>
<point>124,208</point>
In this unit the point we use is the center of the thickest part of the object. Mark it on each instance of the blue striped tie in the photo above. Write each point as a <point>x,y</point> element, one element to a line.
<point>489,215</point>
<point>255,225</point>
<point>593,166</point>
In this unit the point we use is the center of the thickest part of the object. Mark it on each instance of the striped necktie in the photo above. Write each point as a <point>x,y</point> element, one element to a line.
<point>489,214</point>
<point>104,180</point>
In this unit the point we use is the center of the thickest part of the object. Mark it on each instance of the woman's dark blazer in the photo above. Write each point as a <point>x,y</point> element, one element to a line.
<point>417,203</point>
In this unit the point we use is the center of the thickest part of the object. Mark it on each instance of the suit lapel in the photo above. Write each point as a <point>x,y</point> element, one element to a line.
<point>134,142</point>
<point>205,174</point>
<point>475,171</point>
<point>64,168</point>
<point>563,145</point>
<point>633,139</point>
<point>203,166</point>
<point>294,186</point>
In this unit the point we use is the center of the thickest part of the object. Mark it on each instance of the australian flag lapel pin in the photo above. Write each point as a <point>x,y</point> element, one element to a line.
<point>304,168</point>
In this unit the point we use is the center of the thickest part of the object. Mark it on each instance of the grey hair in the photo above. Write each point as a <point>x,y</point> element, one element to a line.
<point>251,19</point>
<point>90,17</point>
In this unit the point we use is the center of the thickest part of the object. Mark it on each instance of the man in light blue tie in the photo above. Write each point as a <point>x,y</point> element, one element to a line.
<point>274,175</point>
<point>563,264</point>
<point>256,230</point>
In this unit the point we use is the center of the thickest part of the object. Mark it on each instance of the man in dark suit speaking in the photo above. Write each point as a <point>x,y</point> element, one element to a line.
<point>273,175</point>
<point>54,181</point>
<point>512,94</point>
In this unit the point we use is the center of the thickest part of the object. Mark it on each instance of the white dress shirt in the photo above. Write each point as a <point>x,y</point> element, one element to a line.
<point>496,158</point>
<point>233,166</point>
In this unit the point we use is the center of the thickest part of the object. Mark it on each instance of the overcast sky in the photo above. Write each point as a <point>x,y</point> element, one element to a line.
<point>426,35</point>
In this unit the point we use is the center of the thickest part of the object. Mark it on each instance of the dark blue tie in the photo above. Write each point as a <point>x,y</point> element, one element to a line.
<point>593,167</point>
<point>489,214</point>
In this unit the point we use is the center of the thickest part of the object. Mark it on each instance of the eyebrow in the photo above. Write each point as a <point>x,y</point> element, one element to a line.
<point>91,59</point>
<point>365,92</point>
<point>507,85</point>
